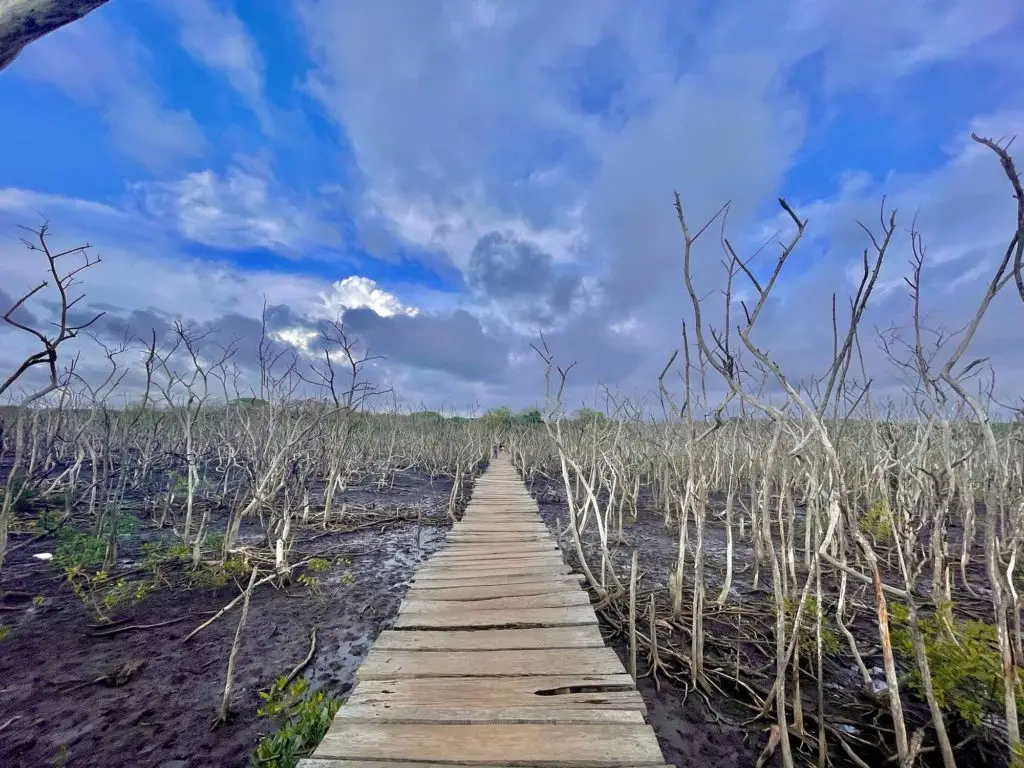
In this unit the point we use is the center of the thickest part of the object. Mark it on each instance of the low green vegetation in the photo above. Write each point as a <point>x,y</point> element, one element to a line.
<point>305,717</point>
<point>963,656</point>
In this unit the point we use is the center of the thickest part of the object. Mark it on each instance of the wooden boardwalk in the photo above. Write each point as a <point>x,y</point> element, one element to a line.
<point>495,659</point>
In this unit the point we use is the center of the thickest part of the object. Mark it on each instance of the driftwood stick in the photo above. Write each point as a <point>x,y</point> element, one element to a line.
<point>302,664</point>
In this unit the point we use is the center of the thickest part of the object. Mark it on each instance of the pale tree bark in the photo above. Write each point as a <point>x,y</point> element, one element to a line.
<point>24,21</point>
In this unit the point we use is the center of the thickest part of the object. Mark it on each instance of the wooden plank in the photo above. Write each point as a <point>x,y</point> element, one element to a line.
<point>541,544</point>
<point>494,591</point>
<point>376,713</point>
<point>417,603</point>
<point>497,539</point>
<point>313,762</point>
<point>464,580</point>
<point>587,636</point>
<point>447,618</point>
<point>460,555</point>
<point>507,548</point>
<point>480,562</point>
<point>536,573</point>
<point>606,744</point>
<point>555,599</point>
<point>382,664</point>
<point>495,553</point>
<point>548,569</point>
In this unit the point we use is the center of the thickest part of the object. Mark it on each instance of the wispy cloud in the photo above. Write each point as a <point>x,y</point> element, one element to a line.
<point>104,68</point>
<point>214,35</point>
<point>243,208</point>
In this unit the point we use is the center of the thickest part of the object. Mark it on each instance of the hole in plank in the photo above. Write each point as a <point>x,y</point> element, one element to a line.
<point>568,689</point>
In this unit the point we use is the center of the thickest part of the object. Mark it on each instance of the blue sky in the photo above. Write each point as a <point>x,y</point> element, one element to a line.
<point>408,157</point>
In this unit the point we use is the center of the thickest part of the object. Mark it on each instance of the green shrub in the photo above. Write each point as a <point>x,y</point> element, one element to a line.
<point>808,641</point>
<point>306,717</point>
<point>966,669</point>
<point>103,595</point>
<point>219,574</point>
<point>156,554</point>
<point>79,550</point>
<point>877,521</point>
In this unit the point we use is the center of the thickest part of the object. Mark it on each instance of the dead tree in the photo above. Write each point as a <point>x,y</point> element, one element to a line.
<point>62,281</point>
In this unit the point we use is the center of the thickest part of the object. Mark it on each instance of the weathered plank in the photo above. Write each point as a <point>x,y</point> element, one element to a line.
<point>509,549</point>
<point>551,691</point>
<point>502,526</point>
<point>475,591</point>
<point>500,551</point>
<point>605,744</point>
<point>495,553</point>
<point>498,562</point>
<point>416,602</point>
<point>314,762</point>
<point>587,636</point>
<point>492,539</point>
<point>382,664</point>
<point>376,713</point>
<point>540,569</point>
<point>443,617</point>
<point>481,580</point>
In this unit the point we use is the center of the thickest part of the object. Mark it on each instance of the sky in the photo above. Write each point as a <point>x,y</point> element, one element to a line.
<point>452,179</point>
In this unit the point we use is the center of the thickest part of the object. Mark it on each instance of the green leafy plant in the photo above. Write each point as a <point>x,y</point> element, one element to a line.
<point>808,641</point>
<point>963,657</point>
<point>215,575</point>
<point>156,554</point>
<point>103,595</point>
<point>318,565</point>
<point>312,584</point>
<point>306,716</point>
<point>877,521</point>
<point>79,550</point>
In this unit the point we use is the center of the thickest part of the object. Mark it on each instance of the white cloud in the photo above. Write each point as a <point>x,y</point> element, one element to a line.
<point>242,209</point>
<point>361,293</point>
<point>297,336</point>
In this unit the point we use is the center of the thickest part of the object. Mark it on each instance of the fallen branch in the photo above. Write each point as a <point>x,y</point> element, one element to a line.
<point>235,602</point>
<point>302,664</point>
<point>118,630</point>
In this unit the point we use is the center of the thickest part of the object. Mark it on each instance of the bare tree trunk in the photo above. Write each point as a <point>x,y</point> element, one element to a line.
<point>225,702</point>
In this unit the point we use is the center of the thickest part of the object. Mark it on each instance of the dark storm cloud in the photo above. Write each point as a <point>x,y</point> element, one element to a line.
<point>518,274</point>
<point>455,343</point>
